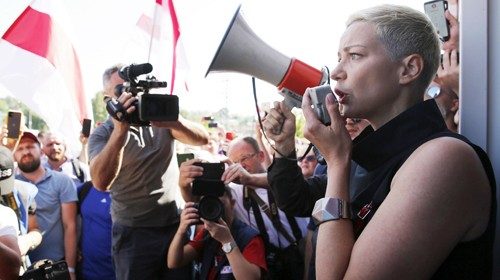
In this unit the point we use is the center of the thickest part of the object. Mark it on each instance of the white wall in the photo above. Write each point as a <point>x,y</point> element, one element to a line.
<point>480,85</point>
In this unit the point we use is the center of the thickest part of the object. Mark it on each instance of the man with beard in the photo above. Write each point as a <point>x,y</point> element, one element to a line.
<point>56,204</point>
<point>54,147</point>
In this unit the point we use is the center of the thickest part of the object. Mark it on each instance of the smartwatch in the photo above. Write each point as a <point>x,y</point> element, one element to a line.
<point>330,209</point>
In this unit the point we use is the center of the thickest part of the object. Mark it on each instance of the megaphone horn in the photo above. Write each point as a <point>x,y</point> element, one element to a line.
<point>242,51</point>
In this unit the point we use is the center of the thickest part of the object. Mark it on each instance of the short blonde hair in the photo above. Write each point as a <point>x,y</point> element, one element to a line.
<point>404,31</point>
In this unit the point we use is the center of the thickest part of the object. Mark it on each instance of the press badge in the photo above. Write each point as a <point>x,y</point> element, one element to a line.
<point>226,270</point>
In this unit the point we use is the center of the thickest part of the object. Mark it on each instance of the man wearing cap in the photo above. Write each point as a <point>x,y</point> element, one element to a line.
<point>19,196</point>
<point>56,204</point>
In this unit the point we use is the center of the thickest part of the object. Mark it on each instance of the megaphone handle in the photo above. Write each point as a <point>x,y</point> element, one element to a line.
<point>291,102</point>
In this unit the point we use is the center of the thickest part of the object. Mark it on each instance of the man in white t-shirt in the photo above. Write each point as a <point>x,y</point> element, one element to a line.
<point>282,233</point>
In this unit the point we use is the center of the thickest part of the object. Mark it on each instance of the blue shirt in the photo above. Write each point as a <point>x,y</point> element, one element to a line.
<point>54,189</point>
<point>97,262</point>
<point>68,169</point>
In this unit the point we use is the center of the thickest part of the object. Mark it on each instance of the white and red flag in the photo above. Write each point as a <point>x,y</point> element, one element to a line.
<point>165,50</point>
<point>40,68</point>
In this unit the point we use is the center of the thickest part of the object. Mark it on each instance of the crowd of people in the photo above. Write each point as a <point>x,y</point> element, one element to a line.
<point>388,189</point>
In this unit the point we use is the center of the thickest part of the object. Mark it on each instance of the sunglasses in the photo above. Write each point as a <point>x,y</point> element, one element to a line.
<point>307,158</point>
<point>433,91</point>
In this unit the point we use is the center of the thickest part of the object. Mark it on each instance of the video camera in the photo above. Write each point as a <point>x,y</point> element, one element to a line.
<point>210,187</point>
<point>149,106</point>
<point>47,269</point>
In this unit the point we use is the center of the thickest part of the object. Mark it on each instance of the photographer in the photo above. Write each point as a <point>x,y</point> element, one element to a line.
<point>232,251</point>
<point>130,161</point>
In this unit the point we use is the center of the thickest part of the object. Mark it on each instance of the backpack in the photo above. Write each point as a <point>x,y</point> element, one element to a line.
<point>77,169</point>
<point>82,194</point>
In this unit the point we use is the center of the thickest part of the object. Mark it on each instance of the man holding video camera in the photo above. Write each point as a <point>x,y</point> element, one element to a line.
<point>130,161</point>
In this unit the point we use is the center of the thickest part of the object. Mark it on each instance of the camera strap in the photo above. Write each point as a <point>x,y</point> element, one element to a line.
<point>270,210</point>
<point>251,203</point>
<point>77,168</point>
<point>297,233</point>
<point>115,108</point>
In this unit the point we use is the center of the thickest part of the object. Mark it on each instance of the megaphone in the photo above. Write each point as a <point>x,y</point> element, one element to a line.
<point>242,51</point>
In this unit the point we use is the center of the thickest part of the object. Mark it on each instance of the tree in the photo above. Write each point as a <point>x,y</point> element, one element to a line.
<point>300,121</point>
<point>99,107</point>
<point>32,120</point>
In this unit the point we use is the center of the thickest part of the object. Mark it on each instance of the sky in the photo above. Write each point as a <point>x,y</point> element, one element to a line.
<point>105,32</point>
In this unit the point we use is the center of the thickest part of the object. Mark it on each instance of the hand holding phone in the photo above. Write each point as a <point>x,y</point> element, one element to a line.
<point>86,126</point>
<point>14,124</point>
<point>435,11</point>
<point>182,157</point>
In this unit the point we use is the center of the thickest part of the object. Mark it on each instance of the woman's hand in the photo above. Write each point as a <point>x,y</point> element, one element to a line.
<point>219,231</point>
<point>333,141</point>
<point>448,73</point>
<point>188,172</point>
<point>189,216</point>
<point>279,126</point>
<point>454,40</point>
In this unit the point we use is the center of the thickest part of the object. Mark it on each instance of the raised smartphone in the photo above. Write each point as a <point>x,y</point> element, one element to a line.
<point>86,126</point>
<point>14,124</point>
<point>182,157</point>
<point>435,11</point>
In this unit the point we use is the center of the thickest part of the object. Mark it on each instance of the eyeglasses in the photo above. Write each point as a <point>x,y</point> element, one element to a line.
<point>245,158</point>
<point>307,158</point>
<point>433,91</point>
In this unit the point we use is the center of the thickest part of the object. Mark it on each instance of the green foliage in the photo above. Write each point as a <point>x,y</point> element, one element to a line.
<point>99,108</point>
<point>32,120</point>
<point>300,122</point>
<point>241,125</point>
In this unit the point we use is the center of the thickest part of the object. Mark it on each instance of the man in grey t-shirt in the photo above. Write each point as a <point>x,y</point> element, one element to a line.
<point>130,161</point>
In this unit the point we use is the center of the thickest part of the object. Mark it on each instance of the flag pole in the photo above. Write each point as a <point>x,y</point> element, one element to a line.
<point>152,32</point>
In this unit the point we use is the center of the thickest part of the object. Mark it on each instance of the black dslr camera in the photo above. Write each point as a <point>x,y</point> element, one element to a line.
<point>149,106</point>
<point>210,187</point>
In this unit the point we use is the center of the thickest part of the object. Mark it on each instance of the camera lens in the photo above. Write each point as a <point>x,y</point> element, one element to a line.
<point>210,208</point>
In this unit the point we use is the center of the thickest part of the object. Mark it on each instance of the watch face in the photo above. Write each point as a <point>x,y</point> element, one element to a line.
<point>227,247</point>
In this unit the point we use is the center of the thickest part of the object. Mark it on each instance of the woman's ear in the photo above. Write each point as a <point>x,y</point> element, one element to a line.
<point>411,69</point>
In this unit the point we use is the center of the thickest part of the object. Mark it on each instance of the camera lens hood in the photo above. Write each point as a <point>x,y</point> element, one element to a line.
<point>210,208</point>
